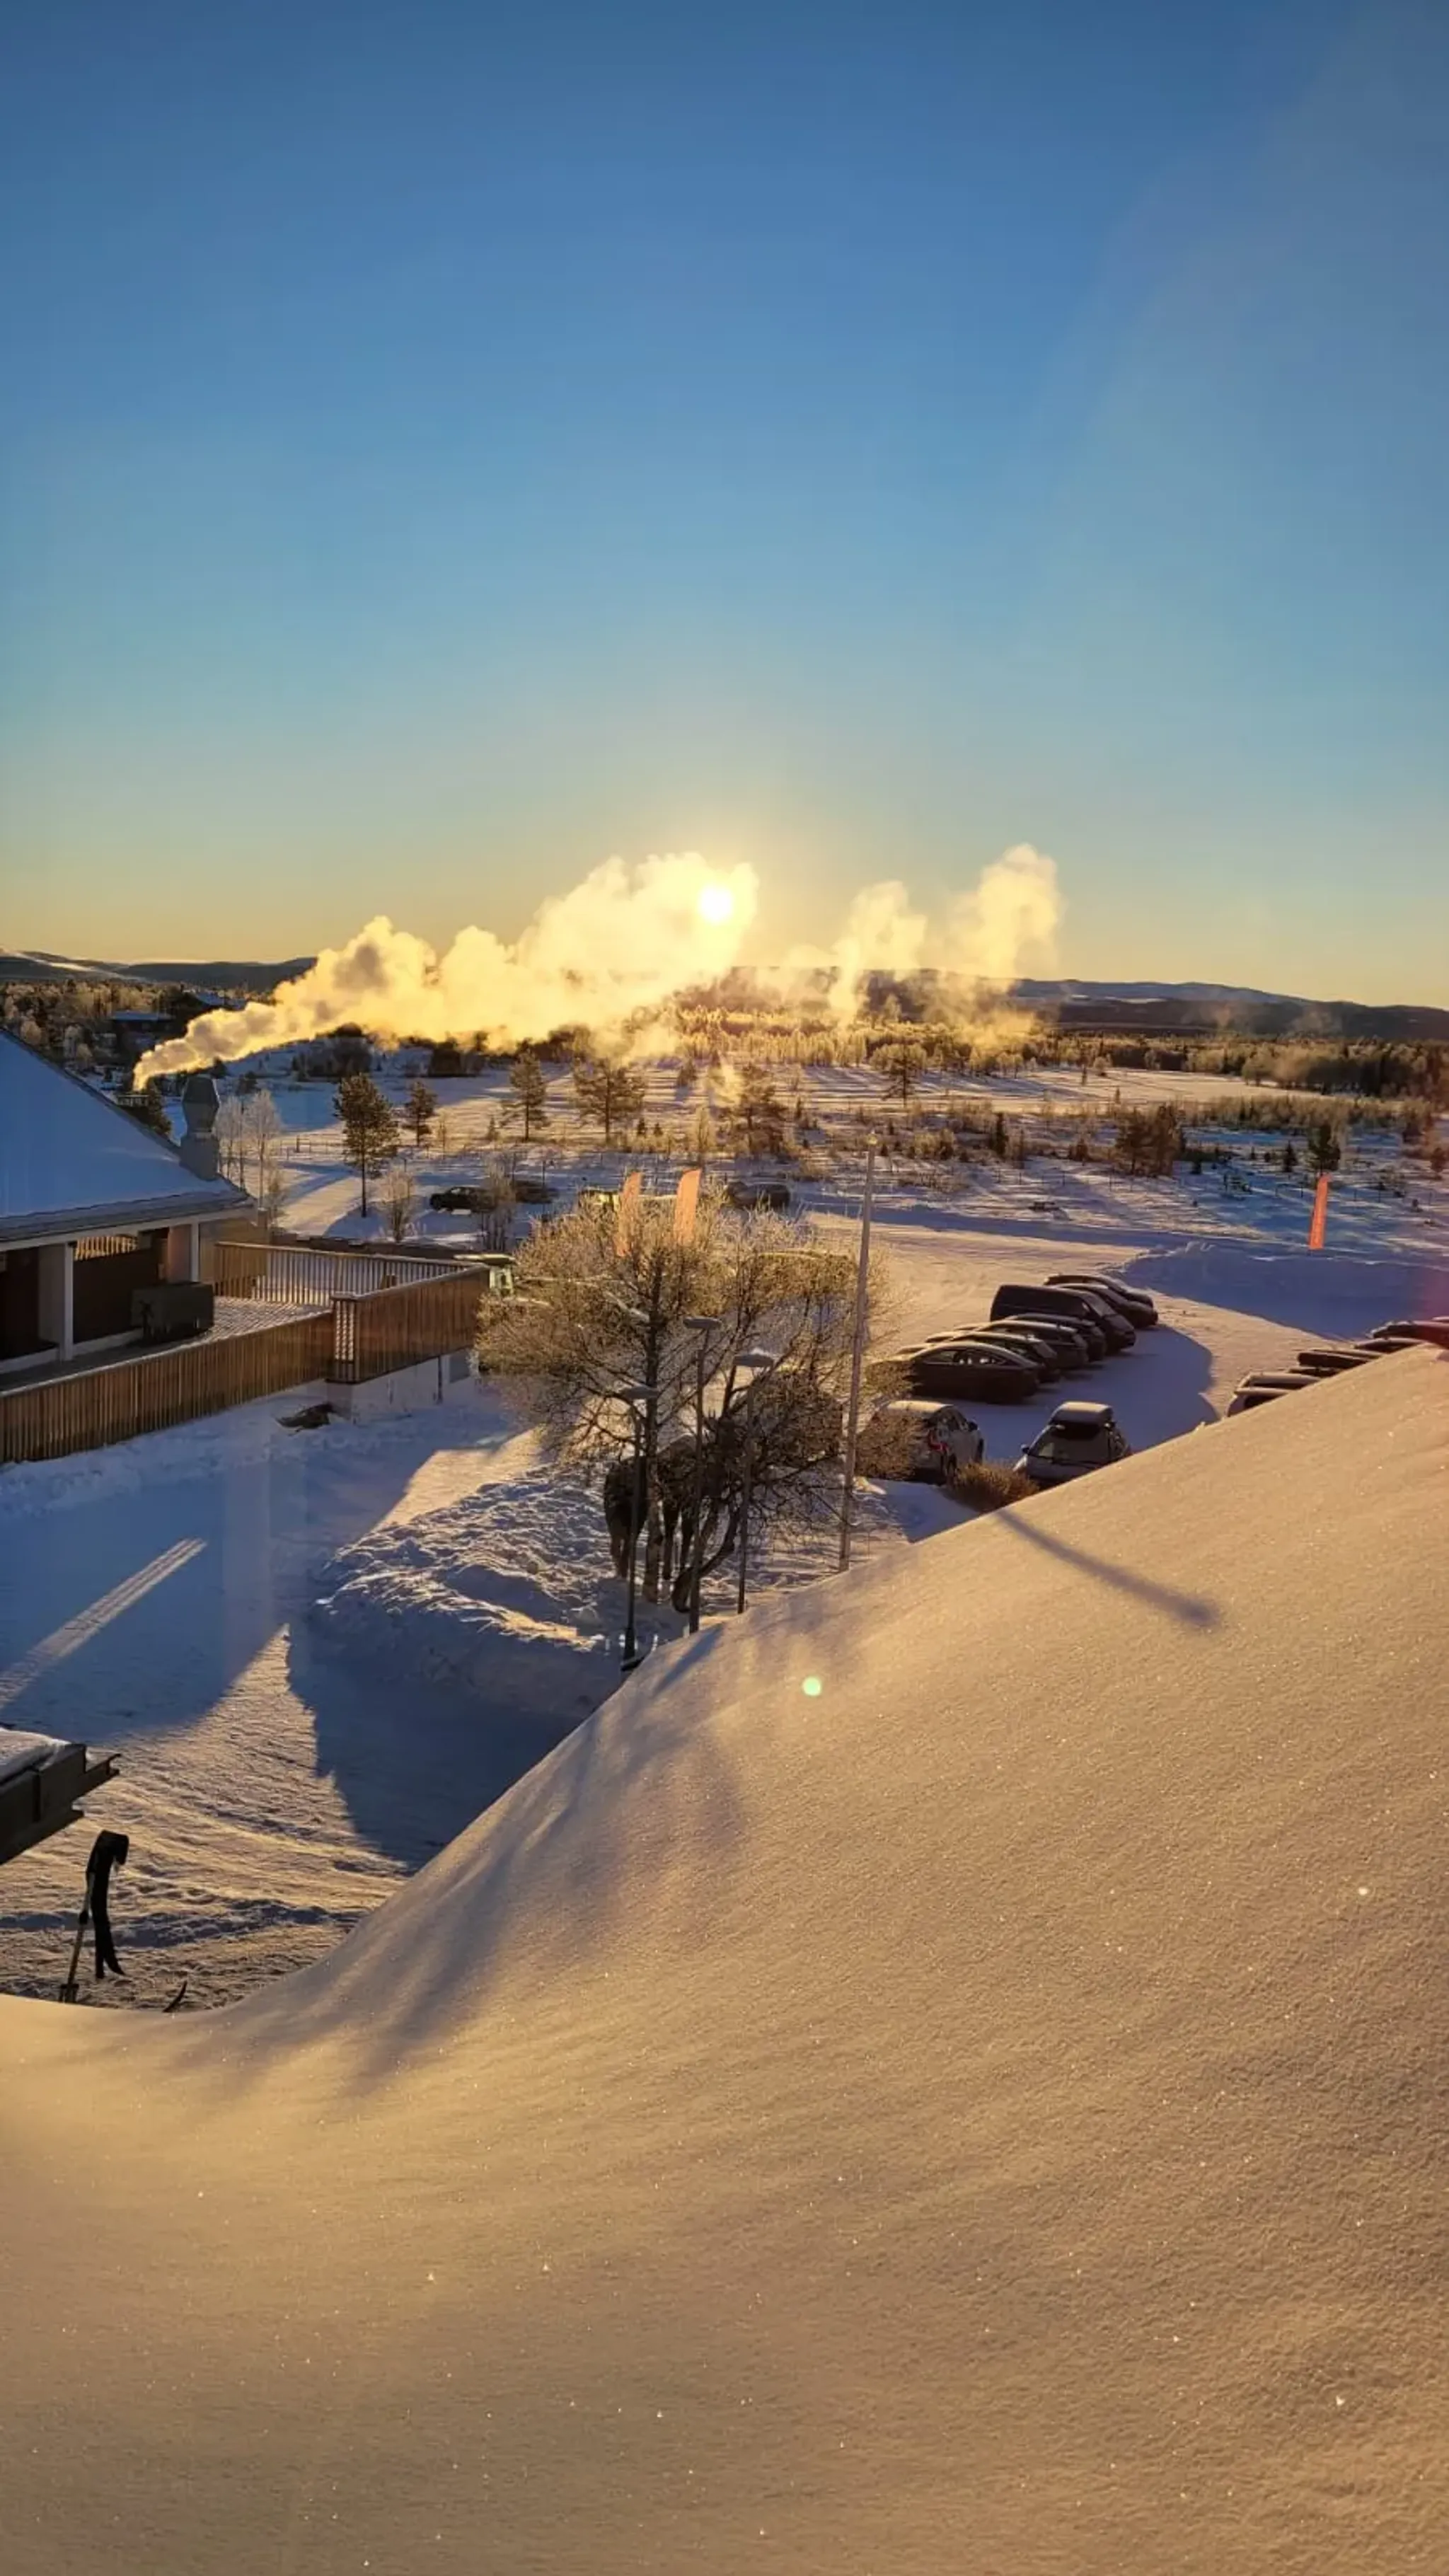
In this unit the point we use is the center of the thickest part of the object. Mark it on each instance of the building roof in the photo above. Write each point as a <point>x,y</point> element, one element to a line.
<point>72,1162</point>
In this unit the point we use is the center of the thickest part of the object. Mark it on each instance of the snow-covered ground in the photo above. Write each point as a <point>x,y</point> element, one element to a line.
<point>945,2073</point>
<point>320,1654</point>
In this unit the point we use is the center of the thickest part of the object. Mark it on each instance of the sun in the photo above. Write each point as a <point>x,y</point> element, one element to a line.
<point>715,904</point>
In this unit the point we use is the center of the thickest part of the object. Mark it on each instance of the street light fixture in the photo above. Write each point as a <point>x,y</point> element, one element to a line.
<point>760,1364</point>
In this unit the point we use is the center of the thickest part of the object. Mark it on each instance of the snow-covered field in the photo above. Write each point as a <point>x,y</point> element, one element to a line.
<point>945,2073</point>
<point>319,1654</point>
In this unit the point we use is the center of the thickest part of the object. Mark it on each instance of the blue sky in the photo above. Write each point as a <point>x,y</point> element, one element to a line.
<point>441,446</point>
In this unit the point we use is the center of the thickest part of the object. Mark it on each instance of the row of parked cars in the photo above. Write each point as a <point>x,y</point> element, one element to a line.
<point>1264,1386</point>
<point>1036,1333</point>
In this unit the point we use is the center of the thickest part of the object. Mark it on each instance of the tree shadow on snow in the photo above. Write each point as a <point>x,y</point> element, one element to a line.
<point>1184,1606</point>
<point>640,1794</point>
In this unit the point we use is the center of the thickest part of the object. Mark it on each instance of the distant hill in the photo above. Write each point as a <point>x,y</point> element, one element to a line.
<point>1073,1003</point>
<point>213,974</point>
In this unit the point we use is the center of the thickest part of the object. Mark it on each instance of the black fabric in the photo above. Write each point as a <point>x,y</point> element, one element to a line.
<point>108,1851</point>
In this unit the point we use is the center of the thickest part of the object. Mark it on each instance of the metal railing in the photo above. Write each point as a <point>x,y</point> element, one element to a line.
<point>290,1274</point>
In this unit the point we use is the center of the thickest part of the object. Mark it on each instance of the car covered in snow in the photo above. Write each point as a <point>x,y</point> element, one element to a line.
<point>1078,1438</point>
<point>919,1442</point>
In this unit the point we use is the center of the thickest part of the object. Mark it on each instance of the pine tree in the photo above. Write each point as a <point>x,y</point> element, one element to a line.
<point>419,1110</point>
<point>759,1111</point>
<point>370,1135</point>
<point>530,1091</point>
<point>146,1105</point>
<point>608,1090</point>
<point>1325,1153</point>
<point>999,1139</point>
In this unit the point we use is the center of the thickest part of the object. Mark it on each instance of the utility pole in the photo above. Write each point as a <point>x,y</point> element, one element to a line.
<point>857,1357</point>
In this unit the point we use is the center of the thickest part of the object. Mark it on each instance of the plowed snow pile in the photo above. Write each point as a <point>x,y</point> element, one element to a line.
<point>984,2113</point>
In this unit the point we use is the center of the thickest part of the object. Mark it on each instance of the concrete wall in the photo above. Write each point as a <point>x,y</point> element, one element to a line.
<point>406,1390</point>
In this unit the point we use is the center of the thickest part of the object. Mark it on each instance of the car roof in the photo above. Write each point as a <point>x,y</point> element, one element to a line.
<point>1097,1415</point>
<point>928,1407</point>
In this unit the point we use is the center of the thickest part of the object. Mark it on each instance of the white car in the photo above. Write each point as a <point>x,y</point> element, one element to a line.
<point>1078,1438</point>
<point>919,1441</point>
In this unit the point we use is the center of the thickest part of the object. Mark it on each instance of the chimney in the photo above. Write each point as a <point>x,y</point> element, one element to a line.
<point>200,1101</point>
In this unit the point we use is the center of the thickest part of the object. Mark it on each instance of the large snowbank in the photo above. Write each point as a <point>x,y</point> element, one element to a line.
<point>982,2112</point>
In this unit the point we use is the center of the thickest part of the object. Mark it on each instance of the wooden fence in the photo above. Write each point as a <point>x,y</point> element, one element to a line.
<point>158,1389</point>
<point>400,1325</point>
<point>356,1338</point>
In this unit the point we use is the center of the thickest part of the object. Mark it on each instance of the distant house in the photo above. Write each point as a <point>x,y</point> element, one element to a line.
<point>92,1206</point>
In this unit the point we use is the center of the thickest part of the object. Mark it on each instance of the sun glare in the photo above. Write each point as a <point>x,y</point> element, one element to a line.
<point>715,904</point>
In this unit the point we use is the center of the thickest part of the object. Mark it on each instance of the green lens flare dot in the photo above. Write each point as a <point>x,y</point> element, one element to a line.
<point>811,1686</point>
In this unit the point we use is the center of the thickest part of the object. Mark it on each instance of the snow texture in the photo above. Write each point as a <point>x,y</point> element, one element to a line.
<point>943,2073</point>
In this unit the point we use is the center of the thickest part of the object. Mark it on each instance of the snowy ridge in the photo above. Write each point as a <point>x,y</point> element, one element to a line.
<point>982,2113</point>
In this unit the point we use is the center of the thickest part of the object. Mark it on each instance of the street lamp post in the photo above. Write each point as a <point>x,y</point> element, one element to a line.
<point>701,1326</point>
<point>759,1363</point>
<point>857,1356</point>
<point>634,1397</point>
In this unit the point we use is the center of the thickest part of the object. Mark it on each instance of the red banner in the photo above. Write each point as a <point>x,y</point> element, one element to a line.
<point>1318,1223</point>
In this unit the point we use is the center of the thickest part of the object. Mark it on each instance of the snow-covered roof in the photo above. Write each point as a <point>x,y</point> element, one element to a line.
<point>70,1160</point>
<point>942,2072</point>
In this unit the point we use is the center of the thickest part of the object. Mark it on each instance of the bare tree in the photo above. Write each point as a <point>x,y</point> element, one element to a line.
<point>602,1308</point>
<point>399,1202</point>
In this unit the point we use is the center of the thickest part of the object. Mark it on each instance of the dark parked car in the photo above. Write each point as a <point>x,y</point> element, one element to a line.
<point>456,1202</point>
<point>1078,1346</point>
<point>1043,1354</point>
<point>1432,1328</point>
<point>1134,1303</point>
<point>1025,1297</point>
<point>1267,1384</point>
<point>1078,1438</point>
<point>771,1195</point>
<point>1092,1333</point>
<point>1332,1363</point>
<point>966,1373</point>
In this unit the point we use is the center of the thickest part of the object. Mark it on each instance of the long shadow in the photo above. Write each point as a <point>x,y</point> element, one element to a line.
<point>1184,1606</point>
<point>642,1784</point>
<point>133,1611</point>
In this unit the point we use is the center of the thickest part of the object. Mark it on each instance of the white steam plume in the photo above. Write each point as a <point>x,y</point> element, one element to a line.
<point>1005,923</point>
<point>619,943</point>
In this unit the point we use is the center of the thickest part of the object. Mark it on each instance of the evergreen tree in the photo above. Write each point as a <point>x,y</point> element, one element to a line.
<point>146,1105</point>
<point>420,1109</point>
<point>370,1135</point>
<point>530,1091</point>
<point>1325,1153</point>
<point>608,1091</point>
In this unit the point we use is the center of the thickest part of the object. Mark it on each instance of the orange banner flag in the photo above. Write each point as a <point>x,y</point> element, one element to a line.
<point>686,1205</point>
<point>628,1209</point>
<point>1318,1222</point>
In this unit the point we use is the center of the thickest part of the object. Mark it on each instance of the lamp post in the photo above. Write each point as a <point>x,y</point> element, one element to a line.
<point>857,1356</point>
<point>759,1363</point>
<point>634,1397</point>
<point>701,1326</point>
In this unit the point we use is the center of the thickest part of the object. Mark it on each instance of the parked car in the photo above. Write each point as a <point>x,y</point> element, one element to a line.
<point>1078,1438</point>
<point>1266,1385</point>
<point>919,1442</point>
<point>1043,1354</point>
<point>983,1371</point>
<point>456,1202</point>
<point>1431,1328</point>
<point>1077,1346</point>
<point>1134,1303</point>
<point>1023,1297</point>
<point>1332,1363</point>
<point>1090,1332</point>
<point>772,1195</point>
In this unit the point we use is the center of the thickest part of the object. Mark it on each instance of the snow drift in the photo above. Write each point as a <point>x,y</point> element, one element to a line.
<point>981,2111</point>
